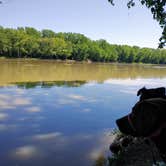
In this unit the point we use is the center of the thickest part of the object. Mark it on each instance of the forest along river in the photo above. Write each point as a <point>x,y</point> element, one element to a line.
<point>58,114</point>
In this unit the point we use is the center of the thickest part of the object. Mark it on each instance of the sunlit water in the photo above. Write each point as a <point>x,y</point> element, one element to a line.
<point>60,114</point>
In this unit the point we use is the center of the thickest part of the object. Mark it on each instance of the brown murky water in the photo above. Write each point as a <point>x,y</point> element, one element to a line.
<point>12,71</point>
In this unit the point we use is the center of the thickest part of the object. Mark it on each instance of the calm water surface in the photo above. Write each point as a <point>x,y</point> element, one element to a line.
<point>59,114</point>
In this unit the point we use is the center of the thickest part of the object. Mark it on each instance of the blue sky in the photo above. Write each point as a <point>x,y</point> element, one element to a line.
<point>95,18</point>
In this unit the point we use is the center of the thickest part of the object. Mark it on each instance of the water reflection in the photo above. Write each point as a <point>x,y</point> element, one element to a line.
<point>50,121</point>
<point>26,152</point>
<point>33,109</point>
<point>57,148</point>
<point>5,127</point>
<point>3,116</point>
<point>68,125</point>
<point>11,102</point>
<point>48,84</point>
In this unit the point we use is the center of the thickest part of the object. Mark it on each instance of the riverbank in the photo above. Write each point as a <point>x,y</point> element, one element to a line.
<point>30,43</point>
<point>138,152</point>
<point>76,61</point>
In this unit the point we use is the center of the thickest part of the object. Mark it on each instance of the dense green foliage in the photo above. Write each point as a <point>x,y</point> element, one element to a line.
<point>30,43</point>
<point>158,10</point>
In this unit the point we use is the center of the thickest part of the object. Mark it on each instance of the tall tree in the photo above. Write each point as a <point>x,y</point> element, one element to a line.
<point>48,33</point>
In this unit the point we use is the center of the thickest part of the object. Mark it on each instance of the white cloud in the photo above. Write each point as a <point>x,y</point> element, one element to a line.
<point>20,91</point>
<point>47,136</point>
<point>76,97</point>
<point>33,109</point>
<point>6,105</point>
<point>86,110</point>
<point>65,101</point>
<point>137,82</point>
<point>21,101</point>
<point>26,152</point>
<point>5,97</point>
<point>10,102</point>
<point>3,116</point>
<point>3,103</point>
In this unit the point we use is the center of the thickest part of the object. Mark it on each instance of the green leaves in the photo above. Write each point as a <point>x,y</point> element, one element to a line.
<point>130,4</point>
<point>30,43</point>
<point>48,33</point>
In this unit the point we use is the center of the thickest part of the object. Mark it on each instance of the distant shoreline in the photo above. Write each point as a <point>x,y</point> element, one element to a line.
<point>77,62</point>
<point>27,42</point>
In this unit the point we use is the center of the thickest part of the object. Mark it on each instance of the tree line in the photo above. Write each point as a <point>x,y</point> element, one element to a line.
<point>46,44</point>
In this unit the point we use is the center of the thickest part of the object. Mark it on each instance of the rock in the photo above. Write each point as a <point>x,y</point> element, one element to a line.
<point>136,152</point>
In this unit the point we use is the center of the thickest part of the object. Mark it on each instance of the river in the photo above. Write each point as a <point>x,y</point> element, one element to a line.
<point>58,113</point>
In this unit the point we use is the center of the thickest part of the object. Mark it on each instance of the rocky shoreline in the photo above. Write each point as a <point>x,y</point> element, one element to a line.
<point>136,152</point>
